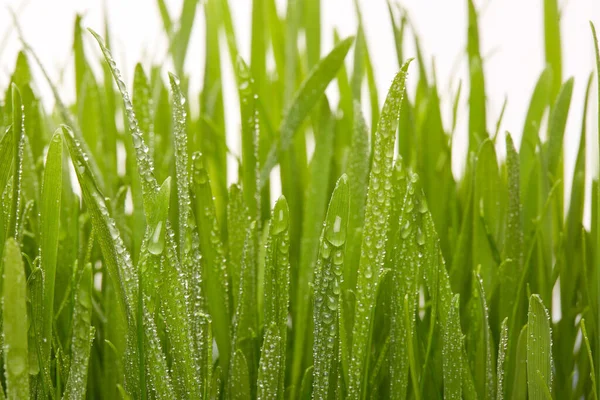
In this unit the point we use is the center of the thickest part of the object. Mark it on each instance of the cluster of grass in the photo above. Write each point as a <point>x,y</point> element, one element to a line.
<point>378,274</point>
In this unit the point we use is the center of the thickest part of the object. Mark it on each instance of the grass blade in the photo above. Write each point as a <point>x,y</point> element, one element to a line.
<point>539,350</point>
<point>376,221</point>
<point>306,97</point>
<point>452,353</point>
<point>14,313</point>
<point>49,234</point>
<point>276,294</point>
<point>327,282</point>
<point>82,336</point>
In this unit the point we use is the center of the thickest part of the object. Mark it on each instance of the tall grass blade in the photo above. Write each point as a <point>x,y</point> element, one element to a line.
<point>14,314</point>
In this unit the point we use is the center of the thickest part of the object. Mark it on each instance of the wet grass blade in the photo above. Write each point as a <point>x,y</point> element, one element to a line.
<point>539,350</point>
<point>14,314</point>
<point>377,212</point>
<point>276,295</point>
<point>82,336</point>
<point>501,367</point>
<point>304,100</point>
<point>452,353</point>
<point>326,287</point>
<point>216,284</point>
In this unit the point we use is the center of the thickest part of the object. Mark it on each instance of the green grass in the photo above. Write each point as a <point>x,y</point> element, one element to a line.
<point>377,274</point>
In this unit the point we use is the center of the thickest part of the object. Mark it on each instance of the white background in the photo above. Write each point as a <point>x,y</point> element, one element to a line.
<point>511,38</point>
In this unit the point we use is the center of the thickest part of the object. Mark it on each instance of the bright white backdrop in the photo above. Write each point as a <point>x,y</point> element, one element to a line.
<point>511,38</point>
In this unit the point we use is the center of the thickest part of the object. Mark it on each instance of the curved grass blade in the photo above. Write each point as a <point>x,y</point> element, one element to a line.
<point>144,161</point>
<point>82,337</point>
<point>304,100</point>
<point>539,350</point>
<point>49,234</point>
<point>376,225</point>
<point>596,225</point>
<point>452,353</point>
<point>14,314</point>
<point>326,286</point>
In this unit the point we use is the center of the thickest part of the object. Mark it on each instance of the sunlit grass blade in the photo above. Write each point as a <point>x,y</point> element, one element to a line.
<point>377,212</point>
<point>326,287</point>
<point>539,350</point>
<point>14,314</point>
<point>556,128</point>
<point>306,97</point>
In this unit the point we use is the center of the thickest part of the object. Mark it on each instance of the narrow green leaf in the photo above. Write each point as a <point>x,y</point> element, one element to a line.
<point>557,122</point>
<point>306,97</point>
<point>552,43</point>
<point>14,313</point>
<point>216,284</point>
<point>376,225</point>
<point>49,234</point>
<point>271,365</point>
<point>276,290</point>
<point>82,337</point>
<point>327,282</point>
<point>452,352</point>
<point>539,350</point>
<point>501,367</point>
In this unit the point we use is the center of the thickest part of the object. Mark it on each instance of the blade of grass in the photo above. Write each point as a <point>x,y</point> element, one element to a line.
<point>552,43</point>
<point>82,336</point>
<point>328,274</point>
<point>376,224</point>
<point>539,350</point>
<point>452,352</point>
<point>14,314</point>
<point>276,296</point>
<point>305,98</point>
<point>49,234</point>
